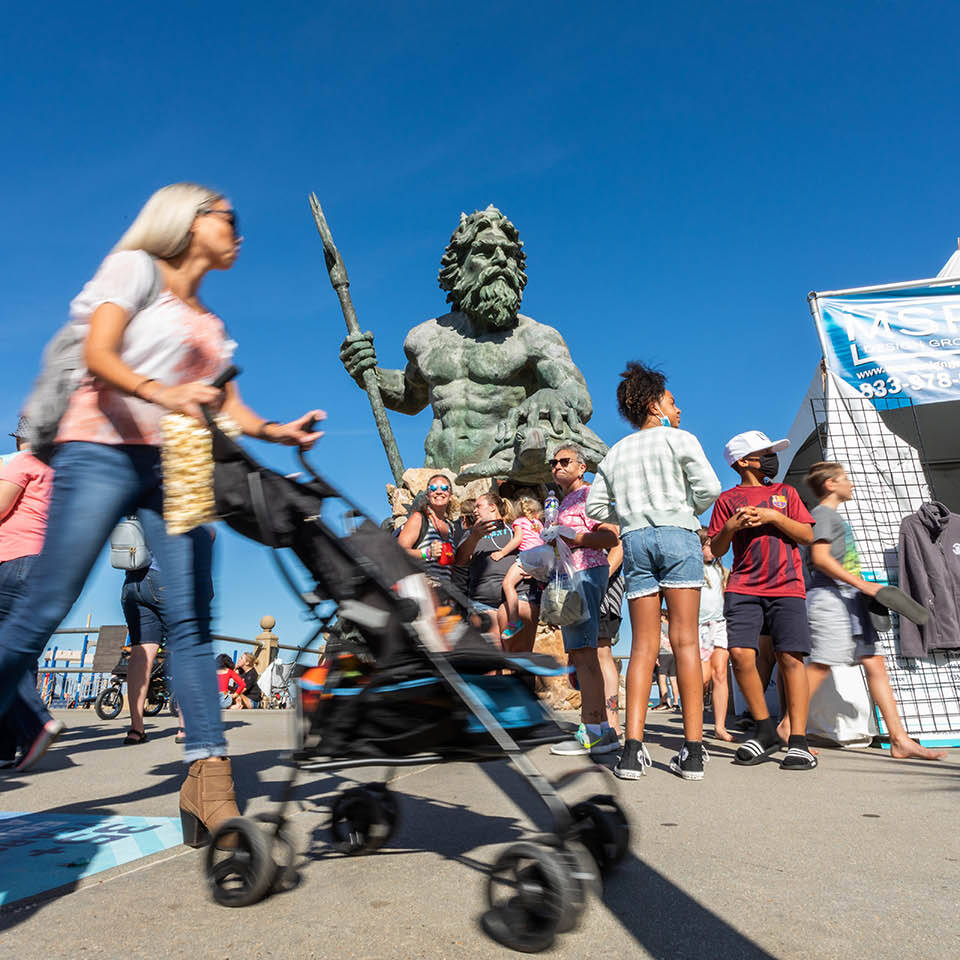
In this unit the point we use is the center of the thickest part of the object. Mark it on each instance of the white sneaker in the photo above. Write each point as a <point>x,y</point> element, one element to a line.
<point>580,745</point>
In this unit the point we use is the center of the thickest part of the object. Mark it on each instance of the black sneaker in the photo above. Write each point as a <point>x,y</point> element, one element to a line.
<point>688,763</point>
<point>632,763</point>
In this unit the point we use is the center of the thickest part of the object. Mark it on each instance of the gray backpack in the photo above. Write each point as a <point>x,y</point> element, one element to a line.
<point>128,546</point>
<point>62,370</point>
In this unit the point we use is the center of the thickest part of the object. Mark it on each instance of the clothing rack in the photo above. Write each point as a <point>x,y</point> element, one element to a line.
<point>891,480</point>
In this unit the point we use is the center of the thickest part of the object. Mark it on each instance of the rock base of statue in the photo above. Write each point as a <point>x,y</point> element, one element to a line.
<point>414,483</point>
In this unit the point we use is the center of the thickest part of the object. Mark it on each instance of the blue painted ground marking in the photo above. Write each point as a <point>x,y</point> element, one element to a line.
<point>42,851</point>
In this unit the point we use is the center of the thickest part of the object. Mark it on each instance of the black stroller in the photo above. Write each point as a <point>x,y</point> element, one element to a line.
<point>406,680</point>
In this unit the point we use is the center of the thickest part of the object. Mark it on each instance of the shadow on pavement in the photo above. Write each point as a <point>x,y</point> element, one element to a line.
<point>662,918</point>
<point>668,923</point>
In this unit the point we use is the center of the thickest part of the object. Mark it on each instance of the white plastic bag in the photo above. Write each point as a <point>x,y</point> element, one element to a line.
<point>562,604</point>
<point>538,562</point>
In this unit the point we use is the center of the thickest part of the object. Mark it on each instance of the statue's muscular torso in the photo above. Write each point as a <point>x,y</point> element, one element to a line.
<point>473,380</point>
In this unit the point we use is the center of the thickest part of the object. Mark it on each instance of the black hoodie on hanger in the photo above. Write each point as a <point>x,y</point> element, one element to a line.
<point>930,573</point>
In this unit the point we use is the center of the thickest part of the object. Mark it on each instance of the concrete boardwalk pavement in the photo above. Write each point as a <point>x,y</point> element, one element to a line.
<point>859,858</point>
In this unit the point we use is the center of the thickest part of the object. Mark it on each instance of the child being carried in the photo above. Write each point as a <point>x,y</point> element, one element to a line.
<point>527,535</point>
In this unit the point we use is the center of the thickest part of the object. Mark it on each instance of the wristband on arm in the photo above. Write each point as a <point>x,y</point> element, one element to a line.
<point>262,432</point>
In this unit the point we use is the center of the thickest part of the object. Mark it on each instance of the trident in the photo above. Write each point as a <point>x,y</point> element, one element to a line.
<point>341,286</point>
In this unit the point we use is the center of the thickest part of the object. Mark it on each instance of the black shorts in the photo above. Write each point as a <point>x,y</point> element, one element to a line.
<point>530,590</point>
<point>783,618</point>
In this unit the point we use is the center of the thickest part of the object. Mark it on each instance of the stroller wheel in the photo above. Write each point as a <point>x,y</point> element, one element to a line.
<point>587,883</point>
<point>363,819</point>
<point>532,894</point>
<point>239,867</point>
<point>601,825</point>
<point>109,702</point>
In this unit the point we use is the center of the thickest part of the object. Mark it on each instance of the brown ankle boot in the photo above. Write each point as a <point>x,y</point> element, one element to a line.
<point>206,800</point>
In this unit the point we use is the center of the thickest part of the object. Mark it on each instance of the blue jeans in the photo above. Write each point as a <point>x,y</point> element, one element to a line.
<point>140,600</point>
<point>655,557</point>
<point>24,720</point>
<point>591,584</point>
<point>94,486</point>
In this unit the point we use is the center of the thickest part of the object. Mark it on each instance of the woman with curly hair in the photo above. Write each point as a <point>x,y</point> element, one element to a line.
<point>654,484</point>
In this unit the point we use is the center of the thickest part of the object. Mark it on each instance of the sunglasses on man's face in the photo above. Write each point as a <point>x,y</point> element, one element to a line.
<point>434,487</point>
<point>230,216</point>
<point>562,461</point>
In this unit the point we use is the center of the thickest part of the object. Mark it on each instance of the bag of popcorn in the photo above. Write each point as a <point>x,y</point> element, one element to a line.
<point>187,457</point>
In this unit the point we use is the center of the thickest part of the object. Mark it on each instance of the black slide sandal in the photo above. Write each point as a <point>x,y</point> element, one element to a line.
<point>755,752</point>
<point>798,759</point>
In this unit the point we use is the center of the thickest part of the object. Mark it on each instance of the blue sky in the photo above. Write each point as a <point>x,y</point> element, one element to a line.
<point>681,179</point>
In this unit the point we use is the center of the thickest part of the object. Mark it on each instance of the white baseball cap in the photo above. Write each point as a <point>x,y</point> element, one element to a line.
<point>750,441</point>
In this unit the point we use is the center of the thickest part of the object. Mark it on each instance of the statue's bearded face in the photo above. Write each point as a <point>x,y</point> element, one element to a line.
<point>489,285</point>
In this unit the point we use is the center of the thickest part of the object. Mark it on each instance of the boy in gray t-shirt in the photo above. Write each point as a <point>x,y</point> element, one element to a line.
<point>840,631</point>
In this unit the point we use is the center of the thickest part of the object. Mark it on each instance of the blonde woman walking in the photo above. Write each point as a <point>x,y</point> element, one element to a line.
<point>151,345</point>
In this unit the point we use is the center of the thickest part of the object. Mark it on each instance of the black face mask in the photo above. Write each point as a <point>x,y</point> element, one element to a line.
<point>769,465</point>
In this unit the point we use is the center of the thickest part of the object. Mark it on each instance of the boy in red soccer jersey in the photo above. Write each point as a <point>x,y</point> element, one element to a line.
<point>767,523</point>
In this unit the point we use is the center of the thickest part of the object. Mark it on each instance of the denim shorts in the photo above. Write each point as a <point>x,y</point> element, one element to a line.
<point>591,584</point>
<point>655,557</point>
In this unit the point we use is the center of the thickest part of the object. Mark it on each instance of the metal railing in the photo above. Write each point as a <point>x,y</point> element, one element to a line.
<point>74,692</point>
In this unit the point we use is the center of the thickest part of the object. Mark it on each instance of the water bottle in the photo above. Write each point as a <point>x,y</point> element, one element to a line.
<point>551,507</point>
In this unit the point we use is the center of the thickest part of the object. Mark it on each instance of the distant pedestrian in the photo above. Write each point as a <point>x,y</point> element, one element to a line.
<point>25,487</point>
<point>608,633</point>
<point>714,656</point>
<point>667,666</point>
<point>141,599</point>
<point>230,684</point>
<point>251,696</point>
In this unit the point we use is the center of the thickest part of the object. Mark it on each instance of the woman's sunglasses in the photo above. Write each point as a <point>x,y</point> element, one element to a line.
<point>231,217</point>
<point>434,487</point>
<point>563,461</point>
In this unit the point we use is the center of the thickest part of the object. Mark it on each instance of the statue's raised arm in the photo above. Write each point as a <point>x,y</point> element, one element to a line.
<point>405,391</point>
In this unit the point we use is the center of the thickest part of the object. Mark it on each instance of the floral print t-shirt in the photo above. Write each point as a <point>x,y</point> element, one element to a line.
<point>573,514</point>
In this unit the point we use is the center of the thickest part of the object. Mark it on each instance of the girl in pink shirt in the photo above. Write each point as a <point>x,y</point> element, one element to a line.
<point>527,534</point>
